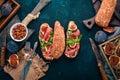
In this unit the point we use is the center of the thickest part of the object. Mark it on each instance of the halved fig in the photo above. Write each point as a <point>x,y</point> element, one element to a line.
<point>72,52</point>
<point>109,48</point>
<point>114,60</point>
<point>109,29</point>
<point>72,26</point>
<point>13,60</point>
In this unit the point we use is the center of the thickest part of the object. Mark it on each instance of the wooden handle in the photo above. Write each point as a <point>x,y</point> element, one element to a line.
<point>103,74</point>
<point>29,18</point>
<point>2,56</point>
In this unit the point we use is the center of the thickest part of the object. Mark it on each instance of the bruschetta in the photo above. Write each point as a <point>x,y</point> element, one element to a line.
<point>52,42</point>
<point>73,38</point>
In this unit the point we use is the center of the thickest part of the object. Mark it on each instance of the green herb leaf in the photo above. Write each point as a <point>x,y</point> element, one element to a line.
<point>74,40</point>
<point>43,44</point>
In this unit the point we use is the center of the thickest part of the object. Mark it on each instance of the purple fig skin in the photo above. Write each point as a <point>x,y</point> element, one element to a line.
<point>100,37</point>
<point>6,9</point>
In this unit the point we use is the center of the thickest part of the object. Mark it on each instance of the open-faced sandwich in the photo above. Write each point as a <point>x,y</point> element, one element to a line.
<point>46,40</point>
<point>73,38</point>
<point>52,43</point>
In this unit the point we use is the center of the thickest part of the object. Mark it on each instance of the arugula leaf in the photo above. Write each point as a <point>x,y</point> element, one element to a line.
<point>43,44</point>
<point>74,40</point>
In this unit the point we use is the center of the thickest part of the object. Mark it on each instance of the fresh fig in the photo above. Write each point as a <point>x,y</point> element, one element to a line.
<point>12,46</point>
<point>6,9</point>
<point>100,36</point>
<point>109,48</point>
<point>13,60</point>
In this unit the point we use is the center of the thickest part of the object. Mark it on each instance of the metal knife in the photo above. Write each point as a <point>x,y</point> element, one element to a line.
<point>3,49</point>
<point>41,4</point>
<point>26,69</point>
<point>96,52</point>
<point>27,50</point>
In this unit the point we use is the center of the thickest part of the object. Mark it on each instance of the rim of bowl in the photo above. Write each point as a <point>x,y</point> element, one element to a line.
<point>14,25</point>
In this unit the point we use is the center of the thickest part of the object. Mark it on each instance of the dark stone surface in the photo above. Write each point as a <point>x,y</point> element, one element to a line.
<point>84,66</point>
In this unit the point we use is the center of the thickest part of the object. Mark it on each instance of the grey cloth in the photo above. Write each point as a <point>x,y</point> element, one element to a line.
<point>115,33</point>
<point>106,67</point>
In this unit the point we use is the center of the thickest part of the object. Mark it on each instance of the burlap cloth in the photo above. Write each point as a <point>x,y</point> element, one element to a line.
<point>36,70</point>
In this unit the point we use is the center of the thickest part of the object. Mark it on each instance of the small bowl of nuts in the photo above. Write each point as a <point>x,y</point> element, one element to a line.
<point>18,32</point>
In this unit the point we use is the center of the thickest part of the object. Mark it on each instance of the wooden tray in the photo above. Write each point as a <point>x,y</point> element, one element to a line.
<point>5,20</point>
<point>115,40</point>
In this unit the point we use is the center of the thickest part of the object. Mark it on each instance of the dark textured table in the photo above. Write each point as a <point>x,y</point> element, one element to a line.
<point>84,66</point>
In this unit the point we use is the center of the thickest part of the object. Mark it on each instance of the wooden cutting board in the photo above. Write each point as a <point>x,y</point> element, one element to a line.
<point>36,70</point>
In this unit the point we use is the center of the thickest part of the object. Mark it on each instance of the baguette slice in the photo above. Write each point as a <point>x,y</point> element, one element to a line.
<point>72,40</point>
<point>58,40</point>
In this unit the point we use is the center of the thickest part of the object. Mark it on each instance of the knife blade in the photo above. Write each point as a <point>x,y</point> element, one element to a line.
<point>27,50</point>
<point>3,49</point>
<point>40,6</point>
<point>96,53</point>
<point>26,69</point>
<point>35,12</point>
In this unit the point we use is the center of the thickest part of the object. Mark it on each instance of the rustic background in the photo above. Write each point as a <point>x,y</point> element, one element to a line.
<point>84,66</point>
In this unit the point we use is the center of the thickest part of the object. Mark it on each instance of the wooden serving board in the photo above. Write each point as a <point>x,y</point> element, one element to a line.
<point>5,20</point>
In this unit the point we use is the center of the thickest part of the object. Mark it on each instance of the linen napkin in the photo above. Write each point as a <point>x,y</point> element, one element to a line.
<point>37,68</point>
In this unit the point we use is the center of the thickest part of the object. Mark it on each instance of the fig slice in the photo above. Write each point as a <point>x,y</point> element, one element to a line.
<point>114,60</point>
<point>109,48</point>
<point>72,26</point>
<point>72,45</point>
<point>72,52</point>
<point>13,60</point>
<point>109,29</point>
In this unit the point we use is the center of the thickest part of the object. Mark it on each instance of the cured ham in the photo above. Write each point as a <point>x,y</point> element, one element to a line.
<point>46,40</point>
<point>73,38</point>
